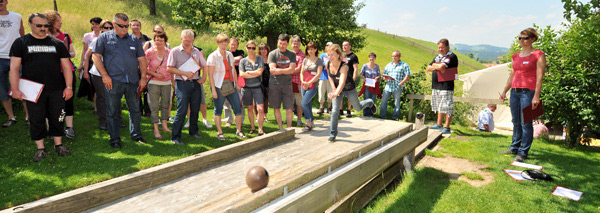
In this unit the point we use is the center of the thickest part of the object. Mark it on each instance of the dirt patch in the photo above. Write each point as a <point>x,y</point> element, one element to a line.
<point>460,138</point>
<point>455,166</point>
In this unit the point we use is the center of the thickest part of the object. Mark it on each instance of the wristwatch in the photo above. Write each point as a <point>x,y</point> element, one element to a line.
<point>71,88</point>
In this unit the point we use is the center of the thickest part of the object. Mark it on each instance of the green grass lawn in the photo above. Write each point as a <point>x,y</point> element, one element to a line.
<point>430,190</point>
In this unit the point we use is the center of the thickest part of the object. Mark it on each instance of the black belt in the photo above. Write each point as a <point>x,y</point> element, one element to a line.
<point>195,80</point>
<point>520,89</point>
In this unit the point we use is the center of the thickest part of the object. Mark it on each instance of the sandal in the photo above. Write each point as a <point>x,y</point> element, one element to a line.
<point>240,134</point>
<point>261,133</point>
<point>251,131</point>
<point>220,136</point>
<point>307,128</point>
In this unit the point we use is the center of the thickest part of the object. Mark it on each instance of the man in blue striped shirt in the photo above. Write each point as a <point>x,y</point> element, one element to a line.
<point>396,73</point>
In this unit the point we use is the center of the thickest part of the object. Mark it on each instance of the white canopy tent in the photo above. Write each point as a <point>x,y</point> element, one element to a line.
<point>488,83</point>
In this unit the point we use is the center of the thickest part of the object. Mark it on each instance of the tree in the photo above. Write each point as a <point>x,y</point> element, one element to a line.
<point>152,7</point>
<point>313,20</point>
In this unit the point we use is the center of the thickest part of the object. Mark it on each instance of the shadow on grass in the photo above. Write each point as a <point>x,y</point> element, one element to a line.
<point>423,193</point>
<point>477,133</point>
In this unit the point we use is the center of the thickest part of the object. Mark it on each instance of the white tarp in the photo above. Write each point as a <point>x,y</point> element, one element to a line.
<point>488,83</point>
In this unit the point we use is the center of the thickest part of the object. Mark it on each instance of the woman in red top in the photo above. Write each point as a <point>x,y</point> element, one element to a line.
<point>55,22</point>
<point>525,84</point>
<point>159,83</point>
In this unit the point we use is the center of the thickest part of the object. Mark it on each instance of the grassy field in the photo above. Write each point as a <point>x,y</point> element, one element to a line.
<point>22,180</point>
<point>430,190</point>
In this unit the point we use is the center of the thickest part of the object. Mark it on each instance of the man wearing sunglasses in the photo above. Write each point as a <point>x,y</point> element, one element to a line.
<point>123,57</point>
<point>41,58</point>
<point>11,28</point>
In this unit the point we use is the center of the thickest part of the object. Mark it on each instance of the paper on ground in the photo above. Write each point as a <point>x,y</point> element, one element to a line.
<point>31,90</point>
<point>517,175</point>
<point>526,165</point>
<point>189,66</point>
<point>567,193</point>
<point>370,82</point>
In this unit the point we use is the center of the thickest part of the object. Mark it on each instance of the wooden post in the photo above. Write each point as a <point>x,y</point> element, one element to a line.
<point>409,161</point>
<point>410,109</point>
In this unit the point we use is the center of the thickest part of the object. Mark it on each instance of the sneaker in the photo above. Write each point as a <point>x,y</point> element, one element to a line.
<point>177,142</point>
<point>39,155</point>
<point>69,132</point>
<point>373,109</point>
<point>62,150</point>
<point>341,112</point>
<point>348,114</point>
<point>508,152</point>
<point>9,123</point>
<point>331,139</point>
<point>299,124</point>
<point>329,110</point>
<point>320,112</point>
<point>27,121</point>
<point>171,119</point>
<point>435,127</point>
<point>187,124</point>
<point>520,158</point>
<point>446,131</point>
<point>207,124</point>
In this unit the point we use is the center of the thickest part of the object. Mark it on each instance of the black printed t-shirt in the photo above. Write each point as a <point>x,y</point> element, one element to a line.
<point>451,61</point>
<point>237,53</point>
<point>351,59</point>
<point>40,60</point>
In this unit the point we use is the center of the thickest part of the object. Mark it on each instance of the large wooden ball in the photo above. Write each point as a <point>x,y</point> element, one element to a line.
<point>257,178</point>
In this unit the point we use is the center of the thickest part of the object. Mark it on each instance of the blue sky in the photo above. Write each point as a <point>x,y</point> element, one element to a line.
<point>461,21</point>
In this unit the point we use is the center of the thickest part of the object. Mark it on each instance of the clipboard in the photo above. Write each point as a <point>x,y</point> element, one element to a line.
<point>530,114</point>
<point>189,66</point>
<point>370,82</point>
<point>449,75</point>
<point>31,90</point>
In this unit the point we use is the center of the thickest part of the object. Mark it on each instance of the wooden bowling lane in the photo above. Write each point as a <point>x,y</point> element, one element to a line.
<point>216,188</point>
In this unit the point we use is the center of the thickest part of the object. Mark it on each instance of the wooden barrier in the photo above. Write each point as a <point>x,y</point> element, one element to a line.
<point>320,194</point>
<point>412,97</point>
<point>104,192</point>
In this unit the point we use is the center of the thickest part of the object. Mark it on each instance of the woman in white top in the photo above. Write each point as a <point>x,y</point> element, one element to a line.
<point>88,37</point>
<point>223,84</point>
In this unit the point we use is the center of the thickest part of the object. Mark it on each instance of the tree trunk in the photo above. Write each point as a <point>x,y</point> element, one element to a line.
<point>152,7</point>
<point>272,40</point>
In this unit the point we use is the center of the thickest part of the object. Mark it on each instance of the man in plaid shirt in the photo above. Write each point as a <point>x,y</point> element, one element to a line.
<point>296,82</point>
<point>396,73</point>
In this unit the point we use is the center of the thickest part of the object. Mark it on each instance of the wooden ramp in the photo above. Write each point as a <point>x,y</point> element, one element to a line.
<point>290,165</point>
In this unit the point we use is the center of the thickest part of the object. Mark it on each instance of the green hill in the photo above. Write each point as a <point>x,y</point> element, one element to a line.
<point>76,15</point>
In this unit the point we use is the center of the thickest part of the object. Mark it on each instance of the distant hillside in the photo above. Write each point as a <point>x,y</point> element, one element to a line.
<point>483,51</point>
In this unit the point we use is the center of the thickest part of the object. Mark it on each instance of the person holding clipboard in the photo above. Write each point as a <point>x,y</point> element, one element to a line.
<point>525,84</point>
<point>185,62</point>
<point>444,71</point>
<point>396,73</point>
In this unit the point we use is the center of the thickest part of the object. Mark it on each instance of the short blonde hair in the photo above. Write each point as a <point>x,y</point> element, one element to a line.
<point>222,38</point>
<point>336,48</point>
<point>250,42</point>
<point>530,32</point>
<point>187,32</point>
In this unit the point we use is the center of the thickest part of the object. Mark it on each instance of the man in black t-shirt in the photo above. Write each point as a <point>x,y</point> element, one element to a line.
<point>136,30</point>
<point>41,58</point>
<point>352,60</point>
<point>442,92</point>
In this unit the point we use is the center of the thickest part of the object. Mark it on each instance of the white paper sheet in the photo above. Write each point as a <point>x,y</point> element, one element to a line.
<point>517,175</point>
<point>567,193</point>
<point>526,165</point>
<point>189,66</point>
<point>370,82</point>
<point>31,90</point>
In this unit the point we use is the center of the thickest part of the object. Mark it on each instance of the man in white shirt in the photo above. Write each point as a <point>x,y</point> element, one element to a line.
<point>486,118</point>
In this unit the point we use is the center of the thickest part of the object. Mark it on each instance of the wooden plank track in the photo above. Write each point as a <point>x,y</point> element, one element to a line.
<point>110,190</point>
<point>290,165</point>
<point>320,194</point>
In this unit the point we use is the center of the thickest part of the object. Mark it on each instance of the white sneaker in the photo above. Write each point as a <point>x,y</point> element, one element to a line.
<point>187,124</point>
<point>207,124</point>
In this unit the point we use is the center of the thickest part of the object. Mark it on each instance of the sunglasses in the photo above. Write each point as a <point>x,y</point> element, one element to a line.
<point>524,38</point>
<point>157,31</point>
<point>108,28</point>
<point>122,26</point>
<point>2,1</point>
<point>40,25</point>
<point>251,48</point>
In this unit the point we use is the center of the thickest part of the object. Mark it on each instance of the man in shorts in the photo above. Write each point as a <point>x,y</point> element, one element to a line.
<point>296,82</point>
<point>282,64</point>
<point>442,92</point>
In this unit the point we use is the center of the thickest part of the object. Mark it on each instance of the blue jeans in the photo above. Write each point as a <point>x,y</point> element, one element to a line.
<point>113,105</point>
<point>189,93</point>
<point>384,100</point>
<point>307,102</point>
<point>234,100</point>
<point>4,81</point>
<point>353,98</point>
<point>369,95</point>
<point>522,133</point>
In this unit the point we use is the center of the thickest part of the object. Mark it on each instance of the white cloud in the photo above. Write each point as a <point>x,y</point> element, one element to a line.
<point>551,15</point>
<point>407,16</point>
<point>442,10</point>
